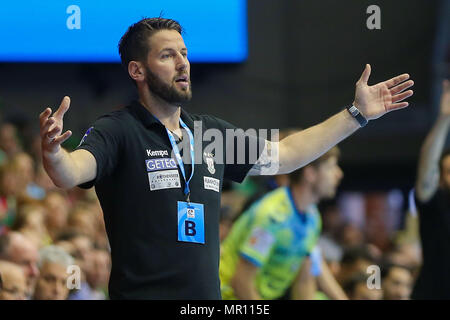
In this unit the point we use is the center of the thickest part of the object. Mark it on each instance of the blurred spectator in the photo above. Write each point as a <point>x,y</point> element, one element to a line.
<point>9,188</point>
<point>67,246</point>
<point>13,284</point>
<point>17,248</point>
<point>52,281</point>
<point>100,238</point>
<point>377,215</point>
<point>24,167</point>
<point>80,243</point>
<point>29,221</point>
<point>396,281</point>
<point>57,212</point>
<point>80,218</point>
<point>350,236</point>
<point>97,275</point>
<point>407,254</point>
<point>355,261</point>
<point>357,289</point>
<point>82,248</point>
<point>332,251</point>
<point>9,142</point>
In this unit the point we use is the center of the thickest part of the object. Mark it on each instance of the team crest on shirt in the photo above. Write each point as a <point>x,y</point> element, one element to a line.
<point>209,158</point>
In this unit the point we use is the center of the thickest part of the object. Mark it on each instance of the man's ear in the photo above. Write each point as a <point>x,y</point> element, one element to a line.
<point>310,174</point>
<point>136,71</point>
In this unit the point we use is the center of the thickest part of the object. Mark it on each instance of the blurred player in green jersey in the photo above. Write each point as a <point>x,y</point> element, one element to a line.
<point>262,256</point>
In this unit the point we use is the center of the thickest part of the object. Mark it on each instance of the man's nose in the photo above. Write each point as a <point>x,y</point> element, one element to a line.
<point>340,173</point>
<point>58,289</point>
<point>182,62</point>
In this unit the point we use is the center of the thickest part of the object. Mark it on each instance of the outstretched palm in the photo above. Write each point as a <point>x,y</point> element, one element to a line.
<point>377,100</point>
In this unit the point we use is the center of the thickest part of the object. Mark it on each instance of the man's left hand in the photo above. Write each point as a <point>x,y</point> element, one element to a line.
<point>379,99</point>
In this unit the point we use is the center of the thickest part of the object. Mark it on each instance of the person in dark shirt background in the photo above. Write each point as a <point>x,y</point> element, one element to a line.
<point>432,194</point>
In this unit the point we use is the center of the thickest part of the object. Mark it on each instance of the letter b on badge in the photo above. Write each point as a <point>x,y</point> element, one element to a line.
<point>191,226</point>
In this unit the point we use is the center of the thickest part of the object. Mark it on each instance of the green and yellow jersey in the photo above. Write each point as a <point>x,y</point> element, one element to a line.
<point>275,237</point>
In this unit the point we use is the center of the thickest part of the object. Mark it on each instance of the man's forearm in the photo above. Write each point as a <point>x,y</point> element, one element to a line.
<point>305,286</point>
<point>430,153</point>
<point>299,149</point>
<point>328,284</point>
<point>245,290</point>
<point>61,168</point>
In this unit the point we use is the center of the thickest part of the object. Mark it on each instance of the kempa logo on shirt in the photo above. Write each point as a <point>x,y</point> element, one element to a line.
<point>157,153</point>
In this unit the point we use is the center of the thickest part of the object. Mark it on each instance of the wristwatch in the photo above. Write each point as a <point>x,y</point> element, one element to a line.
<point>355,113</point>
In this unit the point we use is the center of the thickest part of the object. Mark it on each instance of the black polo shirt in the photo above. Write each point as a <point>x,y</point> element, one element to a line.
<point>133,151</point>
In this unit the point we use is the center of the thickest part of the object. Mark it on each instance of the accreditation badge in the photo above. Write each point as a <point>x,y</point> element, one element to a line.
<point>191,222</point>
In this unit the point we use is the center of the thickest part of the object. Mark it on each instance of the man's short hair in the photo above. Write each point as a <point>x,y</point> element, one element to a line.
<point>353,254</point>
<point>134,44</point>
<point>54,254</point>
<point>387,266</point>
<point>296,176</point>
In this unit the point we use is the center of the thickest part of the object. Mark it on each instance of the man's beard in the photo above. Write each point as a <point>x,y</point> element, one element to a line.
<point>166,92</point>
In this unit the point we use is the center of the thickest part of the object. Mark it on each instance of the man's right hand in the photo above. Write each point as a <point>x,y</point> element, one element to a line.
<point>51,128</point>
<point>65,169</point>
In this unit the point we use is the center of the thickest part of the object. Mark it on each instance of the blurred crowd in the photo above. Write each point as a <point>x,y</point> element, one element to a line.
<point>45,230</point>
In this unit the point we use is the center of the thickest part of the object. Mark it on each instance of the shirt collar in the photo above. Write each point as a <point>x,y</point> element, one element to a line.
<point>147,118</point>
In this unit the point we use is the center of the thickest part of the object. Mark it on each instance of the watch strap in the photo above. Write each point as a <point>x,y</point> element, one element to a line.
<point>355,113</point>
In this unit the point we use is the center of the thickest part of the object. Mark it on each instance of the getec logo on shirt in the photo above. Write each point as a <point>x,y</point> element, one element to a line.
<point>160,164</point>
